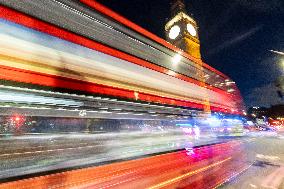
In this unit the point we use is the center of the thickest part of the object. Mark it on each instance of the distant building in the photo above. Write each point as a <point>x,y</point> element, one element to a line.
<point>275,111</point>
<point>257,112</point>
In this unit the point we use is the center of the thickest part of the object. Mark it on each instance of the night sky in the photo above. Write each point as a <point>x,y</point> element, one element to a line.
<point>235,36</point>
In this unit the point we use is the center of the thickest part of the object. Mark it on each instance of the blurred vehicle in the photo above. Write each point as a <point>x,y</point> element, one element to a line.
<point>277,124</point>
<point>81,86</point>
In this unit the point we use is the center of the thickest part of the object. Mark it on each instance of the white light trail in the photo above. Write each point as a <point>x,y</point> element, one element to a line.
<point>277,52</point>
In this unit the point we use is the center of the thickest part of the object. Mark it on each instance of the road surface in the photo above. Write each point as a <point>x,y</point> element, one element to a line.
<point>37,153</point>
<point>265,153</point>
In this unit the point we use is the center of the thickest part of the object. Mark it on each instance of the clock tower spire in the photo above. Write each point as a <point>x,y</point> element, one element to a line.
<point>181,29</point>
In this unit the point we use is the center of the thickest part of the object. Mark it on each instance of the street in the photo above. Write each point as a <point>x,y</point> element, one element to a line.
<point>205,166</point>
<point>257,162</point>
<point>265,153</point>
<point>41,153</point>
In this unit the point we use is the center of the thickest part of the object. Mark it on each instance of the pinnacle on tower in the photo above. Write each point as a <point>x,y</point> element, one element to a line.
<point>177,6</point>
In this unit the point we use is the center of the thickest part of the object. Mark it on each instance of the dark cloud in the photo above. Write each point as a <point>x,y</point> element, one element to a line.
<point>264,96</point>
<point>263,5</point>
<point>269,68</point>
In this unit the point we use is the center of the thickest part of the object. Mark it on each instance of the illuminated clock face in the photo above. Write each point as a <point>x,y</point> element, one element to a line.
<point>174,32</point>
<point>191,29</point>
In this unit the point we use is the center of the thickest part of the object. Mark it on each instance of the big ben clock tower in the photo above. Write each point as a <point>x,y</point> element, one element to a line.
<point>181,30</point>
